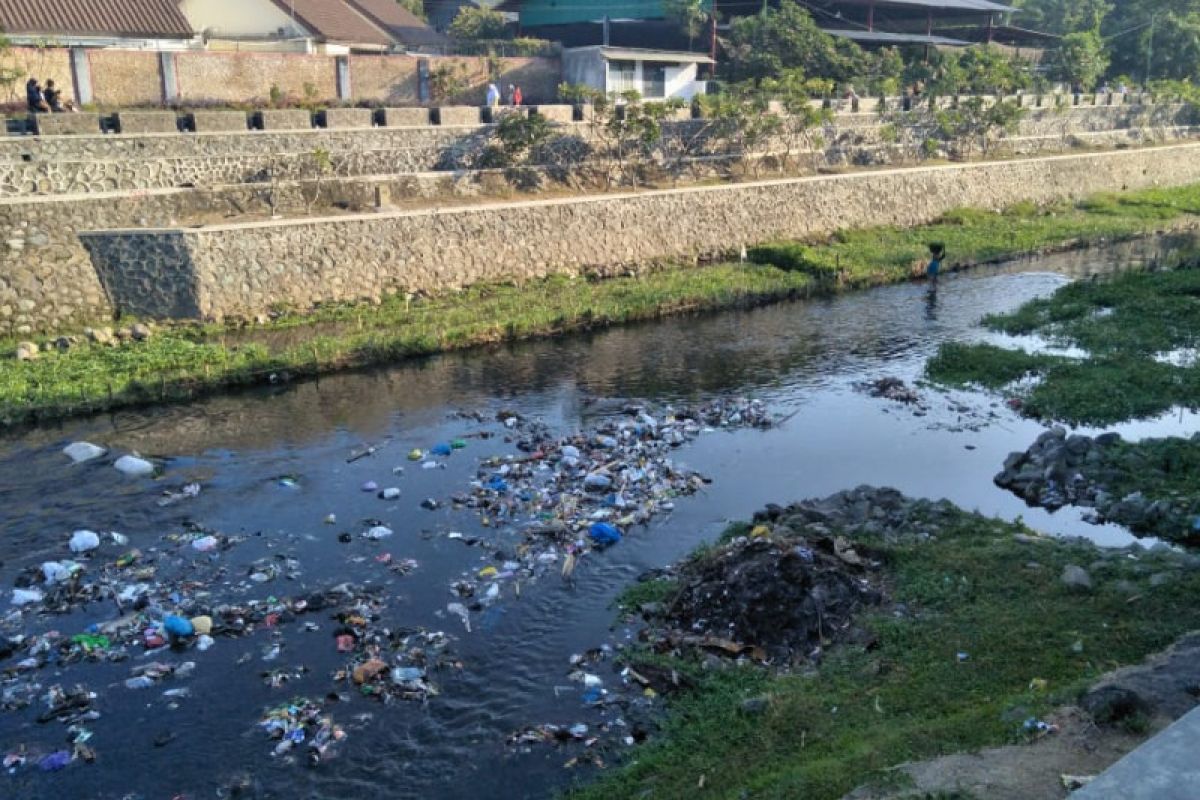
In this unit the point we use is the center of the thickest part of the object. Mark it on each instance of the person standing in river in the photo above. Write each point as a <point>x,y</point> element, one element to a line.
<point>937,252</point>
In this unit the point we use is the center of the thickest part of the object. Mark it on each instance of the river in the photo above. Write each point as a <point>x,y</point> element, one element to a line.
<point>804,359</point>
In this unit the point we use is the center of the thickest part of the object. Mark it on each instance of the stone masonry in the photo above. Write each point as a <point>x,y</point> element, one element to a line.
<point>245,269</point>
<point>48,283</point>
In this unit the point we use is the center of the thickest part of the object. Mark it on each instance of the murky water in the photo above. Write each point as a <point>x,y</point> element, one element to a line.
<point>804,358</point>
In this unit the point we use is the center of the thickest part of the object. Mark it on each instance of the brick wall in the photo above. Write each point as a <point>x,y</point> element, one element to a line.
<point>125,77</point>
<point>248,77</point>
<point>43,63</point>
<point>391,80</point>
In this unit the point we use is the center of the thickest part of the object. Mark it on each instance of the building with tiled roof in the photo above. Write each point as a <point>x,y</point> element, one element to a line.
<point>331,25</point>
<point>96,22</point>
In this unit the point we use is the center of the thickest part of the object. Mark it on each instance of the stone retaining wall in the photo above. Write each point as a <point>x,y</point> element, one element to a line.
<point>242,270</point>
<point>47,281</point>
<point>47,166</point>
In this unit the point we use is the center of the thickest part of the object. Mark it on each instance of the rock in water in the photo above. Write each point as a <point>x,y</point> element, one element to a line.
<point>134,467</point>
<point>83,451</point>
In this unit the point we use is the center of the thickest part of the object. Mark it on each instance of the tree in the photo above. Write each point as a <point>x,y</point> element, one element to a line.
<point>801,120</point>
<point>448,80</point>
<point>1064,16</point>
<point>741,120</point>
<point>477,24</point>
<point>10,72</point>
<point>1165,33</point>
<point>415,7</point>
<point>979,70</point>
<point>977,123</point>
<point>1082,59</point>
<point>766,44</point>
<point>515,137</point>
<point>689,15</point>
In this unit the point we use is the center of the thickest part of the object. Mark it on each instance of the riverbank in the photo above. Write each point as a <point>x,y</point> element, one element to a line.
<point>1147,486</point>
<point>182,362</point>
<point>984,631</point>
<point>1138,334</point>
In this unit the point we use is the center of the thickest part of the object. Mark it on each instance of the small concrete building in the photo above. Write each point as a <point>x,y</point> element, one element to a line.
<point>656,74</point>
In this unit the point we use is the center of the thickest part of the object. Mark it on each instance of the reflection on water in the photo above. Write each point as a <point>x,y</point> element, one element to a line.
<point>803,357</point>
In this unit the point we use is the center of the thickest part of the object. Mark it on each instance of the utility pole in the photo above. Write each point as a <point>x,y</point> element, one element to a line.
<point>1150,49</point>
<point>712,46</point>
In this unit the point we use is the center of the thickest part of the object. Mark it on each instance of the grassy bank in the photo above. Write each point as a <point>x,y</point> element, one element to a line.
<point>1028,643</point>
<point>185,361</point>
<point>1140,332</point>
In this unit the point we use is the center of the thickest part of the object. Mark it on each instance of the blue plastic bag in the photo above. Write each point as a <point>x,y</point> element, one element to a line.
<point>178,627</point>
<point>603,534</point>
<point>441,449</point>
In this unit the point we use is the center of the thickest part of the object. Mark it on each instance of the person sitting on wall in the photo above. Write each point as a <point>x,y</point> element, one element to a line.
<point>53,97</point>
<point>34,97</point>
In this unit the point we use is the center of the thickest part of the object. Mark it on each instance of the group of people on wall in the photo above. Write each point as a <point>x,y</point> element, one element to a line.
<point>512,98</point>
<point>48,100</point>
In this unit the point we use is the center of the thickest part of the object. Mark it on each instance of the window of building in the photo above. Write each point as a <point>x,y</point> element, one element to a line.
<point>622,76</point>
<point>654,81</point>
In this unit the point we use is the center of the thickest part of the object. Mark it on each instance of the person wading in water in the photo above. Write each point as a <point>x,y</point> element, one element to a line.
<point>937,252</point>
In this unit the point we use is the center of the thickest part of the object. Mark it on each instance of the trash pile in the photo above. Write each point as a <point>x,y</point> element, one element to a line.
<point>302,723</point>
<point>568,496</point>
<point>150,612</point>
<point>891,388</point>
<point>772,596</point>
<point>390,665</point>
<point>621,712</point>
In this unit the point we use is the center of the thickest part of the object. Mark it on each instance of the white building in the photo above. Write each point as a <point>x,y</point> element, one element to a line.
<point>655,74</point>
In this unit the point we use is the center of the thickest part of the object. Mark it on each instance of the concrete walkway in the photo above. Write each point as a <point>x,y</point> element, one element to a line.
<point>1167,767</point>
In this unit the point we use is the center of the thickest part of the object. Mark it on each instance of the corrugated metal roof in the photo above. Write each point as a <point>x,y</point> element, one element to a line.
<point>141,18</point>
<point>400,23</point>
<point>882,37</point>
<point>642,54</point>
<point>981,6</point>
<point>334,21</point>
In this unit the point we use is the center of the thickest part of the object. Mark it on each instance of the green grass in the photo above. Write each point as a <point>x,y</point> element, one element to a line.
<point>861,712</point>
<point>1122,323</point>
<point>1161,469</point>
<point>636,595</point>
<point>182,362</point>
<point>185,361</point>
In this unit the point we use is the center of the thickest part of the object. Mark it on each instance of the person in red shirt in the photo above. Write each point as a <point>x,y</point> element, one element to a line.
<point>517,96</point>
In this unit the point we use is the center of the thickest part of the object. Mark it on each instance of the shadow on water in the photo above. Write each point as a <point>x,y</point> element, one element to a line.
<point>804,358</point>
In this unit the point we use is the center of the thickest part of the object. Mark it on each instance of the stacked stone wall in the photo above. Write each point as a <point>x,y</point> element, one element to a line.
<point>103,163</point>
<point>246,269</point>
